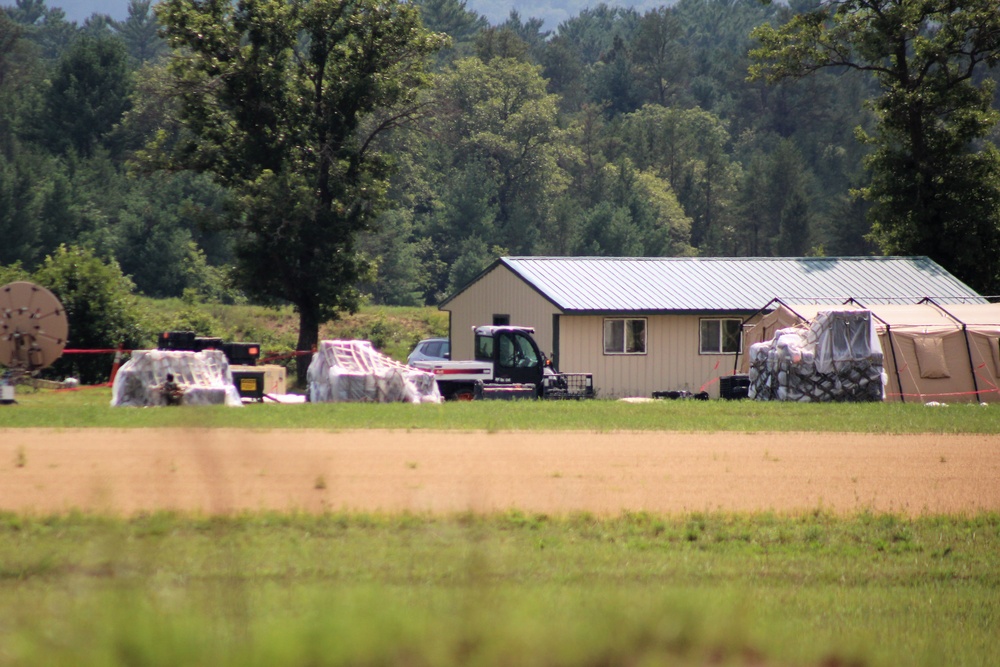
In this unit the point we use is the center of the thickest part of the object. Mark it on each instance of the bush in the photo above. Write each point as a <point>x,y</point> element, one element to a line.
<point>13,273</point>
<point>100,306</point>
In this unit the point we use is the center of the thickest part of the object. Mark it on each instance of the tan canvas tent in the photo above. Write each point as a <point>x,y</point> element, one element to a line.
<point>947,353</point>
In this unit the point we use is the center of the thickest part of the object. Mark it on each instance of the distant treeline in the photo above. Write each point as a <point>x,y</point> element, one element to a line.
<point>619,132</point>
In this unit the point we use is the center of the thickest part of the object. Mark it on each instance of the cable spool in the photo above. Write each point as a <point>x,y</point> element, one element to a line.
<point>33,332</point>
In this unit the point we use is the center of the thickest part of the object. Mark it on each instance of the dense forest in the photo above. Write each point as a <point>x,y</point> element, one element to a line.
<point>620,132</point>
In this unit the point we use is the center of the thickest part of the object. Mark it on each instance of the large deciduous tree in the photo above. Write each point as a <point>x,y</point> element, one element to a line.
<point>285,102</point>
<point>935,182</point>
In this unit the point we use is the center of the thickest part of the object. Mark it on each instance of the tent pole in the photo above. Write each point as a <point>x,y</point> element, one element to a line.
<point>968,345</point>
<point>736,360</point>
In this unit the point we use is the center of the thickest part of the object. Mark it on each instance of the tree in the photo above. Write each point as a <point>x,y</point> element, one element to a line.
<point>775,217</point>
<point>47,28</point>
<point>689,149</point>
<point>99,305</point>
<point>285,103</point>
<point>451,17</point>
<point>500,123</point>
<point>935,185</point>
<point>659,55</point>
<point>88,95</point>
<point>140,32</point>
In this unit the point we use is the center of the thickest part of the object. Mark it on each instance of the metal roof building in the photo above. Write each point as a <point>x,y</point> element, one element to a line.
<point>694,284</point>
<point>651,324</point>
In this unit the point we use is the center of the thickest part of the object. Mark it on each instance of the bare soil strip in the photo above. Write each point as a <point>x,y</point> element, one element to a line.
<point>219,471</point>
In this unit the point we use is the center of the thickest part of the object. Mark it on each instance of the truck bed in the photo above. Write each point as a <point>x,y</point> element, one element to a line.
<point>455,371</point>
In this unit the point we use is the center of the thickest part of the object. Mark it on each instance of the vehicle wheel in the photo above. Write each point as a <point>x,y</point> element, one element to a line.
<point>463,395</point>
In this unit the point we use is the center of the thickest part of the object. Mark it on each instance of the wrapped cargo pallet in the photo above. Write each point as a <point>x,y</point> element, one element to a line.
<point>203,378</point>
<point>837,357</point>
<point>352,371</point>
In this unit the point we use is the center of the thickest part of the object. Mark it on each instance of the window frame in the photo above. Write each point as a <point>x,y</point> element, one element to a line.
<point>722,336</point>
<point>624,352</point>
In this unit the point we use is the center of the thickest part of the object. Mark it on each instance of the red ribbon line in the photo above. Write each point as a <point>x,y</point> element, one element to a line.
<point>297,353</point>
<point>951,393</point>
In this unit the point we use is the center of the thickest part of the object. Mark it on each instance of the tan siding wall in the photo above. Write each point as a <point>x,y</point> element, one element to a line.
<point>671,362</point>
<point>500,292</point>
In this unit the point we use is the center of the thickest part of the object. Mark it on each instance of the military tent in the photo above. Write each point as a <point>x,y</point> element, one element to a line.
<point>932,352</point>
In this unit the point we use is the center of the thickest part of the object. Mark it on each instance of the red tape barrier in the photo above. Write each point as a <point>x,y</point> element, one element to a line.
<point>112,350</point>
<point>952,393</point>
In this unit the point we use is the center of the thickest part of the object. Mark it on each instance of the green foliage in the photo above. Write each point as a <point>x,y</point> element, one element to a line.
<point>399,272</point>
<point>13,273</point>
<point>298,95</point>
<point>139,32</point>
<point>774,205</point>
<point>452,17</point>
<point>99,305</point>
<point>934,186</point>
<point>46,28</point>
<point>628,128</point>
<point>87,96</point>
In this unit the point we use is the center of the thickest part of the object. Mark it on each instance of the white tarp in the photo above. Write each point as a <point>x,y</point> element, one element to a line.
<point>837,357</point>
<point>933,352</point>
<point>353,371</point>
<point>204,377</point>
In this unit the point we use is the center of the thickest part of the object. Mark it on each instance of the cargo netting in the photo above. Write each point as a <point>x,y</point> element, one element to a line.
<point>836,358</point>
<point>203,378</point>
<point>353,371</point>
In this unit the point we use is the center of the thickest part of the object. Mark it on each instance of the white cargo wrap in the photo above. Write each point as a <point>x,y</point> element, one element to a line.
<point>353,371</point>
<point>203,376</point>
<point>836,358</point>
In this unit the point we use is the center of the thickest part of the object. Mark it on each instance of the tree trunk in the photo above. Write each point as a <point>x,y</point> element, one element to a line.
<point>308,339</point>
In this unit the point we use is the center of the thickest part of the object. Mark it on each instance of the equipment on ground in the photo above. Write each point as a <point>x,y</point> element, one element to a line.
<point>33,333</point>
<point>353,371</point>
<point>151,378</point>
<point>249,382</point>
<point>836,358</point>
<point>508,364</point>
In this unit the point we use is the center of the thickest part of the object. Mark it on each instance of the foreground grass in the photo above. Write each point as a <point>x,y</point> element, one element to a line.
<point>507,589</point>
<point>90,407</point>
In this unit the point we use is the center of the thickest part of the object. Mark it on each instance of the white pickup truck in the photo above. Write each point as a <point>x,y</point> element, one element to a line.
<point>508,364</point>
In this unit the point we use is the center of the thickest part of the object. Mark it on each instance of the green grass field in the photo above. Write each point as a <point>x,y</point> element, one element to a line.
<point>510,589</point>
<point>758,590</point>
<point>90,407</point>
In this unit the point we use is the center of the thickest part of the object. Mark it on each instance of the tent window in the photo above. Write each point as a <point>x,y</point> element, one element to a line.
<point>930,357</point>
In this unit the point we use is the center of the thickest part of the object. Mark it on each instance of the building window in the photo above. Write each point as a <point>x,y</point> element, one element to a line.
<point>500,320</point>
<point>625,336</point>
<point>721,336</point>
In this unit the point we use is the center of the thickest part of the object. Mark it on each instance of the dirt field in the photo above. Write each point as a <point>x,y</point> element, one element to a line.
<point>221,471</point>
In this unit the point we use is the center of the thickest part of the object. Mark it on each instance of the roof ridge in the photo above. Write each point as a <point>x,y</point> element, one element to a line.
<point>878,258</point>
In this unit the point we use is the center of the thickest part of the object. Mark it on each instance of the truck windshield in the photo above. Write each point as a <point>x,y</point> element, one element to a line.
<point>527,358</point>
<point>516,351</point>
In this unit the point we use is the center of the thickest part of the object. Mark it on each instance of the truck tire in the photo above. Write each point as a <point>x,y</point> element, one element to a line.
<point>463,394</point>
